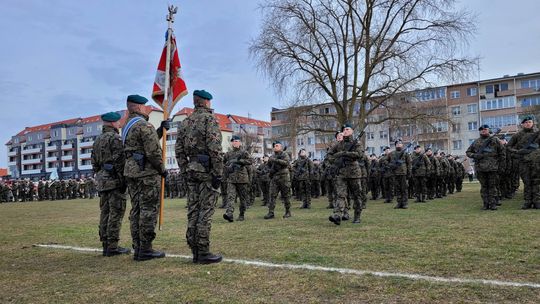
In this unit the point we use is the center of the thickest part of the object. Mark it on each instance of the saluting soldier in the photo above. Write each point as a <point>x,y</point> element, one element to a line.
<point>108,163</point>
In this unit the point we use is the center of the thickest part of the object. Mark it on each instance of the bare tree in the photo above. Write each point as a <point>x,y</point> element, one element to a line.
<point>361,55</point>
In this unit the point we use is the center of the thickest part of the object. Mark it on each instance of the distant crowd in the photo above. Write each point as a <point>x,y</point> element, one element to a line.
<point>25,190</point>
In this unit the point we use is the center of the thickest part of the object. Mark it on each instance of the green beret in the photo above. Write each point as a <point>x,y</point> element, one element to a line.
<point>482,127</point>
<point>277,142</point>
<point>526,118</point>
<point>202,94</point>
<point>235,137</point>
<point>111,117</point>
<point>346,125</point>
<point>138,99</point>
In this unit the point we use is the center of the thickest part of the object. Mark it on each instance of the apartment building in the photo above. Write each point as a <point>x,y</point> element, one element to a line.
<point>460,109</point>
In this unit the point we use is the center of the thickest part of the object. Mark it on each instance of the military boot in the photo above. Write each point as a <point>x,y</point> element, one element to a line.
<point>229,217</point>
<point>135,251</point>
<point>195,253</point>
<point>269,215</point>
<point>147,253</point>
<point>418,199</point>
<point>240,217</point>
<point>105,246</point>
<point>287,213</point>
<point>357,214</point>
<point>537,205</point>
<point>526,205</point>
<point>486,206</point>
<point>208,258</point>
<point>405,205</point>
<point>117,251</point>
<point>335,219</point>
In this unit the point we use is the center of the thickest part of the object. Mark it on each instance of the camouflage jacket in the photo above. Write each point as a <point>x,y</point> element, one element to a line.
<point>316,172</point>
<point>302,169</point>
<point>198,146</point>
<point>420,164</point>
<point>143,141</point>
<point>451,167</point>
<point>108,159</point>
<point>374,169</point>
<point>486,157</point>
<point>435,169</point>
<point>280,165</point>
<point>237,165</point>
<point>400,163</point>
<point>460,170</point>
<point>384,166</point>
<point>523,143</point>
<point>346,155</point>
<point>444,166</point>
<point>263,172</point>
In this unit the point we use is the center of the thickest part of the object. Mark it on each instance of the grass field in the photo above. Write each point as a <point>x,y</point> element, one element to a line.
<point>448,238</point>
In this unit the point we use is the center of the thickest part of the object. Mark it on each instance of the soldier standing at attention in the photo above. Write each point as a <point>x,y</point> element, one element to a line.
<point>420,168</point>
<point>387,176</point>
<point>374,177</point>
<point>302,169</point>
<point>108,163</point>
<point>400,163</point>
<point>460,174</point>
<point>280,182</point>
<point>264,180</point>
<point>522,144</point>
<point>487,153</point>
<point>237,164</point>
<point>200,159</point>
<point>345,155</point>
<point>143,171</point>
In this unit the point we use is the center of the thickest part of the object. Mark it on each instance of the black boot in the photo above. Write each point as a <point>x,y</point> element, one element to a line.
<point>135,252</point>
<point>117,251</point>
<point>240,217</point>
<point>287,213</point>
<point>228,217</point>
<point>357,214</point>
<point>335,219</point>
<point>270,215</point>
<point>526,205</point>
<point>209,258</point>
<point>195,253</point>
<point>104,244</point>
<point>147,253</point>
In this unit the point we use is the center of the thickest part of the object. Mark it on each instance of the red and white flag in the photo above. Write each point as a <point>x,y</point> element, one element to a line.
<point>177,86</point>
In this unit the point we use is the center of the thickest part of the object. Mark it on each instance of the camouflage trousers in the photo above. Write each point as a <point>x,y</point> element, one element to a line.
<point>315,188</point>
<point>202,199</point>
<point>265,189</point>
<point>237,190</point>
<point>282,185</point>
<point>459,183</point>
<point>401,188</point>
<point>304,192</point>
<point>388,185</point>
<point>451,183</point>
<point>344,188</point>
<point>112,206</point>
<point>488,187</point>
<point>420,186</point>
<point>331,192</point>
<point>363,191</point>
<point>525,172</point>
<point>374,186</point>
<point>145,193</point>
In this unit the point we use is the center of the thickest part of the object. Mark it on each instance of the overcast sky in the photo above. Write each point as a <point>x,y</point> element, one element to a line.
<point>62,59</point>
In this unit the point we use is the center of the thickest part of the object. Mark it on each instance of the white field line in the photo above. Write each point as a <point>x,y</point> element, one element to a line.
<point>411,276</point>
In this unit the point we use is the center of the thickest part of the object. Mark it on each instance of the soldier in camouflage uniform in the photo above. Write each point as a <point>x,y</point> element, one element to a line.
<point>302,169</point>
<point>487,153</point>
<point>237,163</point>
<point>451,174</point>
<point>280,180</point>
<point>329,176</point>
<point>108,163</point>
<point>387,176</point>
<point>315,179</point>
<point>374,177</point>
<point>143,171</point>
<point>41,190</point>
<point>263,172</point>
<point>200,159</point>
<point>523,144</point>
<point>346,155</point>
<point>400,164</point>
<point>443,169</point>
<point>363,162</point>
<point>420,167</point>
<point>460,174</point>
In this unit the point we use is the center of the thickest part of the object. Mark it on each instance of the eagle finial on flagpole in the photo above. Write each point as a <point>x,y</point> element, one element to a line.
<point>172,10</point>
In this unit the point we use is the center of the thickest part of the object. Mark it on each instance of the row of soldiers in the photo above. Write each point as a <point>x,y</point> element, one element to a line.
<point>27,190</point>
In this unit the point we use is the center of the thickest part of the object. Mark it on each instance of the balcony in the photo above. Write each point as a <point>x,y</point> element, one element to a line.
<point>67,157</point>
<point>86,144</point>
<point>66,169</point>
<point>14,163</point>
<point>51,159</point>
<point>51,148</point>
<point>49,170</point>
<point>67,147</point>
<point>12,153</point>
<point>31,151</point>
<point>85,167</point>
<point>31,161</point>
<point>27,172</point>
<point>85,156</point>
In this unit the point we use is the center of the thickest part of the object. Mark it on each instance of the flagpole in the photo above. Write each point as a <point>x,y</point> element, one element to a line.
<point>166,101</point>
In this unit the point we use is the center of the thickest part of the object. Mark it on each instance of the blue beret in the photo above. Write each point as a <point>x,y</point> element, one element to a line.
<point>137,99</point>
<point>526,118</point>
<point>482,127</point>
<point>235,137</point>
<point>111,117</point>
<point>202,94</point>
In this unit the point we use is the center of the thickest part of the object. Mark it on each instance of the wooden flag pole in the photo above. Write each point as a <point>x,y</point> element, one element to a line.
<point>166,102</point>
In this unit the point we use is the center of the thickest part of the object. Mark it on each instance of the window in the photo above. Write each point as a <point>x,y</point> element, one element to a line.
<point>456,128</point>
<point>89,129</point>
<point>530,84</point>
<point>530,101</point>
<point>431,94</point>
<point>441,126</point>
<point>473,125</point>
<point>455,94</point>
<point>40,136</point>
<point>456,111</point>
<point>472,108</point>
<point>310,140</point>
<point>370,135</point>
<point>370,150</point>
<point>503,86</point>
<point>29,137</point>
<point>456,144</point>
<point>498,103</point>
<point>383,134</point>
<point>473,91</point>
<point>489,89</point>
<point>500,121</point>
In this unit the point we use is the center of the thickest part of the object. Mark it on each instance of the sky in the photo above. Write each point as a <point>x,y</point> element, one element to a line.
<point>63,59</point>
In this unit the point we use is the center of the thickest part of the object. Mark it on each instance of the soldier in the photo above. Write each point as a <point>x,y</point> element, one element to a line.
<point>460,174</point>
<point>400,164</point>
<point>143,171</point>
<point>374,180</point>
<point>346,155</point>
<point>237,163</point>
<point>263,172</point>
<point>522,144</point>
<point>315,179</point>
<point>108,163</point>
<point>363,162</point>
<point>487,153</point>
<point>41,190</point>
<point>280,182</point>
<point>199,155</point>
<point>442,180</point>
<point>420,168</point>
<point>302,169</point>
<point>387,176</point>
<point>451,182</point>
<point>329,176</point>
